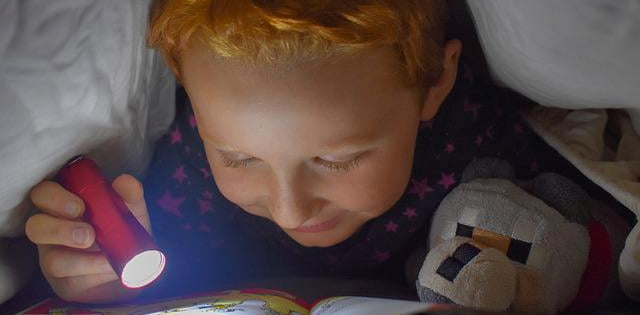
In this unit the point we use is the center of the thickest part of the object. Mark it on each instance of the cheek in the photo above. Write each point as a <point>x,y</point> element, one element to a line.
<point>233,185</point>
<point>378,185</point>
<point>239,191</point>
<point>385,178</point>
<point>230,186</point>
<point>371,189</point>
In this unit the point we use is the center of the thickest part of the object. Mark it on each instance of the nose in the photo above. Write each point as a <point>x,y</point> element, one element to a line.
<point>292,203</point>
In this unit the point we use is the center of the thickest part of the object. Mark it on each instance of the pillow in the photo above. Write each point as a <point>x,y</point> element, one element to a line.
<point>76,77</point>
<point>572,54</point>
<point>579,55</point>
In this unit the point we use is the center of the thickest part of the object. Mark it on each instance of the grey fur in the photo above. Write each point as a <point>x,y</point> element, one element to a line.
<point>488,168</point>
<point>564,195</point>
<point>429,296</point>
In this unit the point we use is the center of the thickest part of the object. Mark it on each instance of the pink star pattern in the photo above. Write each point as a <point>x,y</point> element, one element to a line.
<point>206,173</point>
<point>478,141</point>
<point>447,180</point>
<point>450,148</point>
<point>207,194</point>
<point>391,226</point>
<point>468,75</point>
<point>420,188</point>
<point>179,174</point>
<point>518,128</point>
<point>534,166</point>
<point>170,204</point>
<point>205,206</point>
<point>427,124</point>
<point>381,256</point>
<point>332,259</point>
<point>216,243</point>
<point>176,136</point>
<point>489,132</point>
<point>410,213</point>
<point>424,187</point>
<point>472,107</point>
<point>192,121</point>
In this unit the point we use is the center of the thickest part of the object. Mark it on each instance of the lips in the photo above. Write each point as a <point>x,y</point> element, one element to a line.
<point>320,227</point>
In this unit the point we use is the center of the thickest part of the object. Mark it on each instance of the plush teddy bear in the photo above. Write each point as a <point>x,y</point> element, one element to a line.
<point>537,247</point>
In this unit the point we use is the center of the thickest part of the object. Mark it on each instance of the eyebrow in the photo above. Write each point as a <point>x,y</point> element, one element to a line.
<point>226,148</point>
<point>358,142</point>
<point>352,143</point>
<point>219,146</point>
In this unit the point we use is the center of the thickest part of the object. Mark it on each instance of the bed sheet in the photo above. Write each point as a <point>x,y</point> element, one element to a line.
<point>76,77</point>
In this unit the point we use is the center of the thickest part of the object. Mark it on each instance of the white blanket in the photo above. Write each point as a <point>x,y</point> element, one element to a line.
<point>582,55</point>
<point>614,164</point>
<point>570,54</point>
<point>75,77</point>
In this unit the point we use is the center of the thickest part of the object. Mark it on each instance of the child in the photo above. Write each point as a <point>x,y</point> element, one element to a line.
<point>318,119</point>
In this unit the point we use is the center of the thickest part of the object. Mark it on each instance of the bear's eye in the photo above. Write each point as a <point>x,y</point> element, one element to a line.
<point>517,250</point>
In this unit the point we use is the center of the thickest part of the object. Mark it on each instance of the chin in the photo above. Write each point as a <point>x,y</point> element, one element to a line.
<point>323,239</point>
<point>315,242</point>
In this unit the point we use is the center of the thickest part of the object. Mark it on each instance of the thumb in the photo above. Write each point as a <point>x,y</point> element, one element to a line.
<point>132,193</point>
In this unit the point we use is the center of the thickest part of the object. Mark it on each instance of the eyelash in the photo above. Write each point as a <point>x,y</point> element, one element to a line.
<point>331,166</point>
<point>339,166</point>
<point>236,164</point>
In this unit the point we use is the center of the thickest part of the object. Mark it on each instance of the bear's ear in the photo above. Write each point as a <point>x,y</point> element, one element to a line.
<point>488,168</point>
<point>564,195</point>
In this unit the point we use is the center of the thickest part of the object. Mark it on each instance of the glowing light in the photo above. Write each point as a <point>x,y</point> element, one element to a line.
<point>143,269</point>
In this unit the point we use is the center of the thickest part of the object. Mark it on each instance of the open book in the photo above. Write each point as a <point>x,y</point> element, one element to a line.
<point>250,302</point>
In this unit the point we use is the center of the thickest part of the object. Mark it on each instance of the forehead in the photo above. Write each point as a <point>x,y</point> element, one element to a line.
<point>362,91</point>
<point>374,71</point>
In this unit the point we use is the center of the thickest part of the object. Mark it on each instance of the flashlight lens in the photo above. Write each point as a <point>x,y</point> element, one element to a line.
<point>143,268</point>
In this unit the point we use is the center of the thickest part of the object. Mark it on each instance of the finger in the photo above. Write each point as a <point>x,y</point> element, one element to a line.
<point>93,289</point>
<point>61,262</point>
<point>132,193</point>
<point>43,229</point>
<point>129,188</point>
<point>52,198</point>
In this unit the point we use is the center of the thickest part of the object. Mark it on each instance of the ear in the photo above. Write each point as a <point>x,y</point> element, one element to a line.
<point>437,92</point>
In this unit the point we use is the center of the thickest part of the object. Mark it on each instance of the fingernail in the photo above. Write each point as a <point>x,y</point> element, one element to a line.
<point>80,235</point>
<point>72,208</point>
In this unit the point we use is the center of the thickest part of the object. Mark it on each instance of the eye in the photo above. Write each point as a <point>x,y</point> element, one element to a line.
<point>517,250</point>
<point>235,159</point>
<point>236,163</point>
<point>342,164</point>
<point>338,165</point>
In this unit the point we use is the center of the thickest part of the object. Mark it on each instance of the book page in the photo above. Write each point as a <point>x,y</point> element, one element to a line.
<point>245,302</point>
<point>249,305</point>
<point>350,305</point>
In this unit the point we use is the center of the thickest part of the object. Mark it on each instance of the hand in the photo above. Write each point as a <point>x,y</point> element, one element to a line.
<point>69,258</point>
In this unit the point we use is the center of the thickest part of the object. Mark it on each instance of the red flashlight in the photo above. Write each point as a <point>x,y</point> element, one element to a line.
<point>124,241</point>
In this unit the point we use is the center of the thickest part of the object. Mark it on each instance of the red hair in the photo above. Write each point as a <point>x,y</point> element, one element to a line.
<point>273,31</point>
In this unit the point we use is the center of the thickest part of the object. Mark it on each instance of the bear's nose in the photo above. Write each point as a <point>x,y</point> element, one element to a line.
<point>517,250</point>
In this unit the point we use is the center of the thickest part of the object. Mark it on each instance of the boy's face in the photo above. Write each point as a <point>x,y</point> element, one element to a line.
<point>318,148</point>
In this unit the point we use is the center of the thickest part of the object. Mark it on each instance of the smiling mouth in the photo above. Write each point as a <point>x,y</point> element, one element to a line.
<point>320,227</point>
